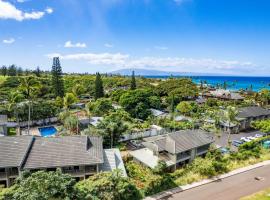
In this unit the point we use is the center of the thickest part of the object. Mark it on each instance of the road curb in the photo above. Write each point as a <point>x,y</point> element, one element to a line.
<point>206,181</point>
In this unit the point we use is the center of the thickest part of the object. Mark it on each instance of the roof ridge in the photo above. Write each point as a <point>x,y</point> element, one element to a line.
<point>29,147</point>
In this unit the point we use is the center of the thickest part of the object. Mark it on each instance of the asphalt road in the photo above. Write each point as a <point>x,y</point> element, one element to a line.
<point>231,188</point>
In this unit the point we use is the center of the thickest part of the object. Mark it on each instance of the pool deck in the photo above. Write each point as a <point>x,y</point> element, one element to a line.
<point>34,131</point>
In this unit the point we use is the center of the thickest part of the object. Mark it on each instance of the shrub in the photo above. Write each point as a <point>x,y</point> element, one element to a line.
<point>108,186</point>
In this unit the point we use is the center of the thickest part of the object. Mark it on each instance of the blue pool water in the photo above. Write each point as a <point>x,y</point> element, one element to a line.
<point>47,131</point>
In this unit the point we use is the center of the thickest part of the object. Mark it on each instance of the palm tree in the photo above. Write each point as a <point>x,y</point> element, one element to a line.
<point>69,99</point>
<point>112,129</point>
<point>29,86</point>
<point>71,124</point>
<point>230,116</point>
<point>77,90</point>
<point>217,119</point>
<point>14,99</point>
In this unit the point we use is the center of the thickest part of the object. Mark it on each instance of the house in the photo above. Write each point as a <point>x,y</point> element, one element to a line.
<point>175,149</point>
<point>200,100</point>
<point>252,113</point>
<point>79,105</point>
<point>224,95</point>
<point>158,113</point>
<point>245,116</point>
<point>94,121</point>
<point>3,125</point>
<point>79,156</point>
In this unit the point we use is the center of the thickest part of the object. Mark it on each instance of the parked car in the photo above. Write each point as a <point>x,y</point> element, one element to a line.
<point>251,138</point>
<point>258,135</point>
<point>237,143</point>
<point>245,139</point>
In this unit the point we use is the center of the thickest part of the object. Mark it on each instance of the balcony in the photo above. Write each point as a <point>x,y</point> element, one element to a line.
<point>90,169</point>
<point>74,173</point>
<point>202,150</point>
<point>183,156</point>
<point>13,172</point>
<point>3,175</point>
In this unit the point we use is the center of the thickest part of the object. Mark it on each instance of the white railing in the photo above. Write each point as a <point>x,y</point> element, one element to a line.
<point>143,134</point>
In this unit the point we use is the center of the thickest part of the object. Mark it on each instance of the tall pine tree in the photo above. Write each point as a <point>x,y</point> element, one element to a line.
<point>133,81</point>
<point>4,70</point>
<point>57,79</point>
<point>99,91</point>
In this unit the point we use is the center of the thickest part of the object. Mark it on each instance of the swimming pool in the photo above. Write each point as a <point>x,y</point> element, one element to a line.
<point>47,131</point>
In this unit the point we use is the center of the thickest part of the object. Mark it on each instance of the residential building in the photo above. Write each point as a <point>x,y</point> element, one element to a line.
<point>245,116</point>
<point>223,95</point>
<point>79,156</point>
<point>175,149</point>
<point>158,113</point>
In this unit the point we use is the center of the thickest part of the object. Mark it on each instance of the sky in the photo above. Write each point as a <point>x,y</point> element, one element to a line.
<point>203,36</point>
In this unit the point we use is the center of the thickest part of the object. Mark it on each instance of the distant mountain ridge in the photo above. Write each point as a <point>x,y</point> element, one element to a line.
<point>149,72</point>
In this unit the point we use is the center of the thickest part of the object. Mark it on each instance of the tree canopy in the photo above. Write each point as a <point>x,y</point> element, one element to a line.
<point>42,186</point>
<point>138,102</point>
<point>108,186</point>
<point>100,107</point>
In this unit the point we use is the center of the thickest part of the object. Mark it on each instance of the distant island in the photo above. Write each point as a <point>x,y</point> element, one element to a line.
<point>149,72</point>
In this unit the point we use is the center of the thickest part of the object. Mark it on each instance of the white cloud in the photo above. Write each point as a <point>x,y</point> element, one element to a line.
<point>95,59</point>
<point>9,11</point>
<point>69,44</point>
<point>160,63</point>
<point>49,10</point>
<point>9,41</point>
<point>108,45</point>
<point>161,48</point>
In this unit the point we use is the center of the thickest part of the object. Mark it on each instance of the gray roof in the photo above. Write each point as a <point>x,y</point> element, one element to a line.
<point>113,160</point>
<point>252,111</point>
<point>13,150</point>
<point>180,141</point>
<point>236,96</point>
<point>157,113</point>
<point>189,139</point>
<point>64,151</point>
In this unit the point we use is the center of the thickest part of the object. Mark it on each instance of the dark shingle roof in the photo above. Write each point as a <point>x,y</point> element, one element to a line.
<point>252,111</point>
<point>13,150</point>
<point>189,139</point>
<point>180,141</point>
<point>65,151</point>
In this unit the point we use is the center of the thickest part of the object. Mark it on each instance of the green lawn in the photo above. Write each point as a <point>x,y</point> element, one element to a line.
<point>262,195</point>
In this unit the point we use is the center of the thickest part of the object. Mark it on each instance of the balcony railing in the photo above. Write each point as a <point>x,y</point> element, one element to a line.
<point>183,157</point>
<point>202,152</point>
<point>3,175</point>
<point>13,172</point>
<point>90,169</point>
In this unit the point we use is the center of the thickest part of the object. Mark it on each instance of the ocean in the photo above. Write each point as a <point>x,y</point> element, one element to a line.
<point>232,82</point>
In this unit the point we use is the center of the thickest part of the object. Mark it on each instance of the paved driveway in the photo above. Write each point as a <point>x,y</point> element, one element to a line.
<point>222,141</point>
<point>231,188</point>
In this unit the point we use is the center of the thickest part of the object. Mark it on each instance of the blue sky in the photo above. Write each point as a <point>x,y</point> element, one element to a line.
<point>207,36</point>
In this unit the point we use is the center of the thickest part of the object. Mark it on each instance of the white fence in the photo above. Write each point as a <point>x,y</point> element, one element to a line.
<point>39,122</point>
<point>138,135</point>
